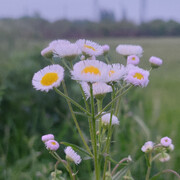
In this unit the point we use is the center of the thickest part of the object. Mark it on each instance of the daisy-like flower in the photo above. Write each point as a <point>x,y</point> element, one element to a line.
<point>155,62</point>
<point>164,157</point>
<point>47,78</point>
<point>52,145</point>
<point>127,50</point>
<point>166,141</point>
<point>148,146</point>
<point>89,48</point>
<point>47,137</point>
<point>137,76</point>
<point>106,119</point>
<point>89,71</point>
<point>115,72</point>
<point>48,51</point>
<point>133,59</point>
<point>68,51</point>
<point>72,155</point>
<point>99,89</point>
<point>106,49</point>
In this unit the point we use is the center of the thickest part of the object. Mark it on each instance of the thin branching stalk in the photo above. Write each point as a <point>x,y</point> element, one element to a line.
<point>88,109</point>
<point>72,101</point>
<point>167,171</point>
<point>74,118</point>
<point>110,103</point>
<point>117,165</point>
<point>149,166</point>
<point>108,142</point>
<point>94,134</point>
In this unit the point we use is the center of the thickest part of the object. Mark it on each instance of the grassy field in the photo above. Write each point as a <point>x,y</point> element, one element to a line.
<point>26,114</point>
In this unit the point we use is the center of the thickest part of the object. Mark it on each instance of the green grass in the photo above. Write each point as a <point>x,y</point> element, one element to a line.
<point>26,114</point>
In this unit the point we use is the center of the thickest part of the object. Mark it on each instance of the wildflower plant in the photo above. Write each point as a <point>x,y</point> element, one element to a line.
<point>95,79</point>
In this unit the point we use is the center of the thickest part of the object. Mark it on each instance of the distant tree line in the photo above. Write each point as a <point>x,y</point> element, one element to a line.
<point>38,28</point>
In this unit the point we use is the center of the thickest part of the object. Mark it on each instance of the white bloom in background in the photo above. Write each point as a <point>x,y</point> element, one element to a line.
<point>133,59</point>
<point>148,146</point>
<point>68,51</point>
<point>106,119</point>
<point>137,76</point>
<point>155,62</point>
<point>171,147</point>
<point>52,145</point>
<point>48,52</point>
<point>166,141</point>
<point>106,49</point>
<point>48,77</point>
<point>89,71</point>
<point>47,137</point>
<point>115,72</point>
<point>82,57</point>
<point>127,50</point>
<point>99,88</point>
<point>89,48</point>
<point>164,157</point>
<point>72,155</point>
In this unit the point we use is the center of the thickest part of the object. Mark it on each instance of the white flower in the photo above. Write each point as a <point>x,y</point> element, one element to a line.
<point>148,146</point>
<point>155,61</point>
<point>89,48</point>
<point>99,88</point>
<point>48,51</point>
<point>89,71</point>
<point>166,141</point>
<point>52,145</point>
<point>106,119</point>
<point>47,137</point>
<point>164,157</point>
<point>127,50</point>
<point>47,78</point>
<point>171,147</point>
<point>69,51</point>
<point>133,59</point>
<point>106,49</point>
<point>115,72</point>
<point>72,155</point>
<point>137,76</point>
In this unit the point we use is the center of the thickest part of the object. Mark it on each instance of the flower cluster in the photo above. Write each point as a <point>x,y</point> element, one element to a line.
<point>96,77</point>
<point>90,69</point>
<point>53,145</point>
<point>161,148</point>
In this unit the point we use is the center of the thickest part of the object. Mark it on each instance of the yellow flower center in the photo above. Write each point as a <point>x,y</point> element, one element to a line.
<point>138,76</point>
<point>89,47</point>
<point>91,70</point>
<point>111,72</point>
<point>49,78</point>
<point>53,143</point>
<point>133,58</point>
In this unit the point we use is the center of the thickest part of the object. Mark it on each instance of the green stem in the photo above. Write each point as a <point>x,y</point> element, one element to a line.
<point>167,171</point>
<point>94,134</point>
<point>71,100</point>
<point>109,104</point>
<point>74,118</point>
<point>87,108</point>
<point>64,163</point>
<point>108,142</point>
<point>99,105</point>
<point>149,166</point>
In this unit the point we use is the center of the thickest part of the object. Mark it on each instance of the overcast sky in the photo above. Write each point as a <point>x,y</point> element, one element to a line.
<point>86,9</point>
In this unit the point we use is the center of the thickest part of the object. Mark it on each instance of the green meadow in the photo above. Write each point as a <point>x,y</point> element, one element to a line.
<point>25,114</point>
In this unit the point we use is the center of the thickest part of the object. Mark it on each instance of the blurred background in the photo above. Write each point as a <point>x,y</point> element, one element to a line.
<point>26,27</point>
